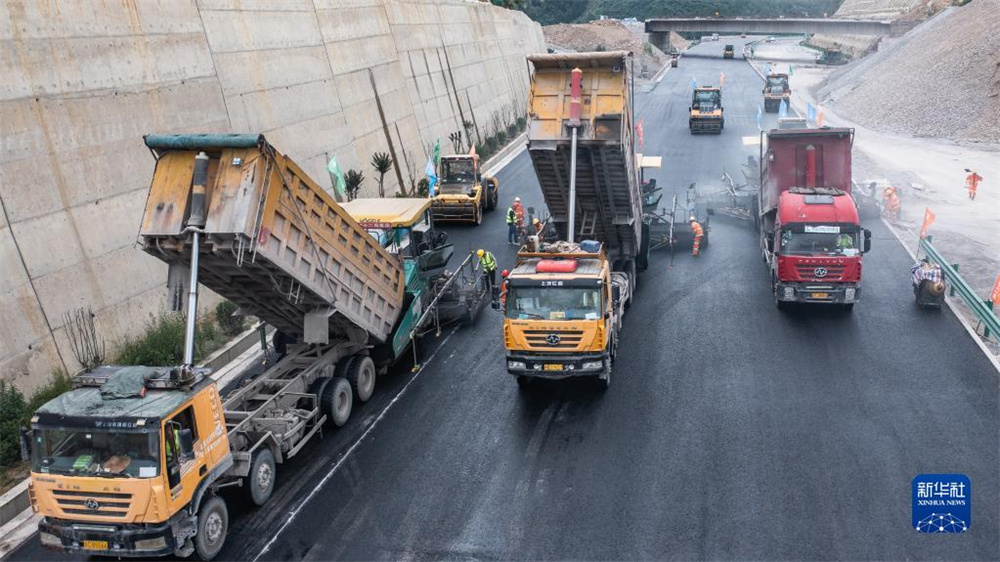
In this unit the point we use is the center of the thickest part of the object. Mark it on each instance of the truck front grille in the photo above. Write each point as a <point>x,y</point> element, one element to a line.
<point>102,504</point>
<point>553,339</point>
<point>808,272</point>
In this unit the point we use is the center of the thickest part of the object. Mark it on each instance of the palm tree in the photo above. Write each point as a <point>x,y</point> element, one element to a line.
<point>352,181</point>
<point>382,163</point>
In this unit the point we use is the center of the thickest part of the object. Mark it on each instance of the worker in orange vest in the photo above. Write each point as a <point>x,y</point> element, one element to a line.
<point>503,289</point>
<point>698,234</point>
<point>972,183</point>
<point>892,203</point>
<point>519,212</point>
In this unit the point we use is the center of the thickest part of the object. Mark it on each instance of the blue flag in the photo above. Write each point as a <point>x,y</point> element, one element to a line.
<point>767,69</point>
<point>432,177</point>
<point>810,112</point>
<point>760,118</point>
<point>783,110</point>
<point>694,83</point>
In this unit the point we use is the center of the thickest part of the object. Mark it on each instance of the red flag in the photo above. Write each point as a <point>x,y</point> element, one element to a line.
<point>995,293</point>
<point>928,221</point>
<point>472,150</point>
<point>722,79</point>
<point>638,133</point>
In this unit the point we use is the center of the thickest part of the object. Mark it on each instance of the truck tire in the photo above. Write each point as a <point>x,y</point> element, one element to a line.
<point>361,375</point>
<point>337,400</point>
<point>260,480</point>
<point>213,523</point>
<point>849,307</point>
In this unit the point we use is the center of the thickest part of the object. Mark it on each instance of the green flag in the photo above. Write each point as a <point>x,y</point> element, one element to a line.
<point>791,70</point>
<point>437,152</point>
<point>334,168</point>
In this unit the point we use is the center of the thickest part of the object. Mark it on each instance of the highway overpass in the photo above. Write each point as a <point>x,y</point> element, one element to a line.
<point>659,29</point>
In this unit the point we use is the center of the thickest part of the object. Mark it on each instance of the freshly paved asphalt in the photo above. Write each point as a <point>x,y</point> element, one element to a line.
<point>731,430</point>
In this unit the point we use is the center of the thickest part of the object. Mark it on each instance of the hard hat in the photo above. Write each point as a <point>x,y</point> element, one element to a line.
<point>504,273</point>
<point>536,221</point>
<point>517,199</point>
<point>479,253</point>
<point>692,219</point>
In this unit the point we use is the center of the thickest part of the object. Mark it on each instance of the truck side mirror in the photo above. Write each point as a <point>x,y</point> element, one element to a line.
<point>868,241</point>
<point>616,294</point>
<point>187,444</point>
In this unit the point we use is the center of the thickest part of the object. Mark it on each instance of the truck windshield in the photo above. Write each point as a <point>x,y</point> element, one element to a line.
<point>554,303</point>
<point>95,453</point>
<point>798,243</point>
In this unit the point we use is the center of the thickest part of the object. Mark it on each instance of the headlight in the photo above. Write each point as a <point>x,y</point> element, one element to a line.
<point>151,544</point>
<point>592,365</point>
<point>789,293</point>
<point>849,294</point>
<point>515,364</point>
<point>48,539</point>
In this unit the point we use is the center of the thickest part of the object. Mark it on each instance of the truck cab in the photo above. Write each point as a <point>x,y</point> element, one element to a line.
<point>126,464</point>
<point>728,52</point>
<point>563,315</point>
<point>461,196</point>
<point>706,113</point>
<point>775,91</point>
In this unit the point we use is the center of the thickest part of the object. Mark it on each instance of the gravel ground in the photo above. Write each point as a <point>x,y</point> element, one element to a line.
<point>941,80</point>
<point>611,35</point>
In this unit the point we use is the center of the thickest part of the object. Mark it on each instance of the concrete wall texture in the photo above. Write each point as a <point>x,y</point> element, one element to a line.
<point>82,80</point>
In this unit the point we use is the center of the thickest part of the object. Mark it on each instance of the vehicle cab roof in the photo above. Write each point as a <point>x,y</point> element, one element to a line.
<point>397,212</point>
<point>799,205</point>
<point>585,267</point>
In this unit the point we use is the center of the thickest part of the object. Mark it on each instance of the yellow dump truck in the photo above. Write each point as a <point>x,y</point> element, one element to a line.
<point>563,313</point>
<point>776,90</point>
<point>128,464</point>
<point>706,114</point>
<point>464,194</point>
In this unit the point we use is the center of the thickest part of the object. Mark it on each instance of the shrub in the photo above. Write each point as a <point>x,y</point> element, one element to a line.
<point>161,345</point>
<point>423,187</point>
<point>522,123</point>
<point>512,130</point>
<point>224,314</point>
<point>353,180</point>
<point>600,48</point>
<point>382,163</point>
<point>501,137</point>
<point>491,145</point>
<point>13,415</point>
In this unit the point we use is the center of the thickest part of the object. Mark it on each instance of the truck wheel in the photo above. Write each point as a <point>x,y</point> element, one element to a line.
<point>337,400</point>
<point>523,382</point>
<point>849,307</point>
<point>361,375</point>
<point>213,522</point>
<point>477,215</point>
<point>604,380</point>
<point>260,480</point>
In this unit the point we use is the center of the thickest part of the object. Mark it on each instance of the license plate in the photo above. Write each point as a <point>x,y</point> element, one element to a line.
<point>821,295</point>
<point>95,545</point>
<point>553,367</point>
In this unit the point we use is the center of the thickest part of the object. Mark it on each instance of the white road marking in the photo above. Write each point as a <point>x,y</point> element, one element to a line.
<point>293,513</point>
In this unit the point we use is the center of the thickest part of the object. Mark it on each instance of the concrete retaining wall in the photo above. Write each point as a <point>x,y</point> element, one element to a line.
<point>81,81</point>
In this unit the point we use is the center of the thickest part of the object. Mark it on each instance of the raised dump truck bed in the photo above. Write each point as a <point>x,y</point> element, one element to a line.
<point>274,243</point>
<point>609,200</point>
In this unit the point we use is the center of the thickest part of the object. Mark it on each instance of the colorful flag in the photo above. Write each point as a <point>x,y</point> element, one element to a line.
<point>760,118</point>
<point>437,152</point>
<point>820,117</point>
<point>694,83</point>
<point>334,168</point>
<point>722,79</point>
<point>472,150</point>
<point>810,112</point>
<point>638,133</point>
<point>432,177</point>
<point>928,221</point>
<point>783,110</point>
<point>791,70</point>
<point>767,69</point>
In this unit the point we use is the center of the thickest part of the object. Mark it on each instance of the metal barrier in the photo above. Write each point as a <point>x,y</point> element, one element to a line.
<point>981,308</point>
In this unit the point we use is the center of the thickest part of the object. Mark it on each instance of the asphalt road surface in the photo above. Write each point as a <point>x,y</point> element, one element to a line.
<point>731,430</point>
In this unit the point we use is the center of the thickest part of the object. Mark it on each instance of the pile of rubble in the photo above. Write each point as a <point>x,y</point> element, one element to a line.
<point>941,80</point>
<point>610,35</point>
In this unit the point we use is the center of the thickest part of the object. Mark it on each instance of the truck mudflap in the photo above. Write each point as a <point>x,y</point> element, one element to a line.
<point>841,293</point>
<point>557,366</point>
<point>108,539</point>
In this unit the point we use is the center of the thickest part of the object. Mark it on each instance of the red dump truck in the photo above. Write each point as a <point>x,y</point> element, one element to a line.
<point>810,235</point>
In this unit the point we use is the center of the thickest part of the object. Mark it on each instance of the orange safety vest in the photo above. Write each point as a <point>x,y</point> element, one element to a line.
<point>697,229</point>
<point>972,180</point>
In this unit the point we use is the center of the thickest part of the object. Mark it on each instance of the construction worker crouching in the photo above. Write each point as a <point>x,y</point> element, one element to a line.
<point>489,264</point>
<point>698,234</point>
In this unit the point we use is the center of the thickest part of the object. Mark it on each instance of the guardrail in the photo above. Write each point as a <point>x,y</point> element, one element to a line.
<point>981,308</point>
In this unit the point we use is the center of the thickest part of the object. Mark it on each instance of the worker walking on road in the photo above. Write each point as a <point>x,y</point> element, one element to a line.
<point>511,225</point>
<point>489,265</point>
<point>892,203</point>
<point>972,183</point>
<point>698,234</point>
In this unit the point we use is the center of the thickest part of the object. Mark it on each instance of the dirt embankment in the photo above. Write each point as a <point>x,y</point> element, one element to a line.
<point>611,35</point>
<point>941,80</point>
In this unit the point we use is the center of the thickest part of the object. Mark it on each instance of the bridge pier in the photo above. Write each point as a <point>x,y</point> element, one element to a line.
<point>661,41</point>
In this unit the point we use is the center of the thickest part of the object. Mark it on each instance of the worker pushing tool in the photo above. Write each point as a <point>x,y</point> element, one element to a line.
<point>699,233</point>
<point>489,265</point>
<point>972,183</point>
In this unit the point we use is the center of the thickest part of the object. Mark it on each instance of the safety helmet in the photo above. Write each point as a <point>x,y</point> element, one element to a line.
<point>479,253</point>
<point>517,199</point>
<point>692,219</point>
<point>536,221</point>
<point>504,273</point>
